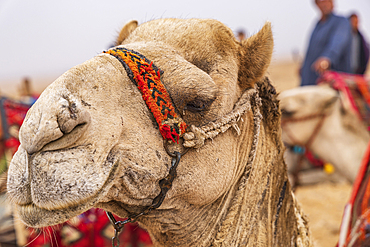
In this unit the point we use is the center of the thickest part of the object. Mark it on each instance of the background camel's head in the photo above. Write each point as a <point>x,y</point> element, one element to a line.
<point>303,102</point>
<point>308,104</point>
<point>324,120</point>
<point>90,140</point>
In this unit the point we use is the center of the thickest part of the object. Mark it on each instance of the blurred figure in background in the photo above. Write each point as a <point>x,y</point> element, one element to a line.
<point>359,48</point>
<point>26,92</point>
<point>241,35</point>
<point>329,47</point>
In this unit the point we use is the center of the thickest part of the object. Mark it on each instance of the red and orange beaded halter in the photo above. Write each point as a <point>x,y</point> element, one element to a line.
<point>146,76</point>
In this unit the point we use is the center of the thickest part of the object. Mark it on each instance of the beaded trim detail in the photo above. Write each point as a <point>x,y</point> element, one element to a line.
<point>146,76</point>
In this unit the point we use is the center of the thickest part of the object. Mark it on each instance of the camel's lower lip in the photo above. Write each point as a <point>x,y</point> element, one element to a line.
<point>36,217</point>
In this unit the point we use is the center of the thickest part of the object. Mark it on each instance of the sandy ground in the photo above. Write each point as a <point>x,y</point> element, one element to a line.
<point>323,203</point>
<point>284,75</point>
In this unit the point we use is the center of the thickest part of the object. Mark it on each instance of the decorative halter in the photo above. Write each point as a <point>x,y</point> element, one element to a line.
<point>146,76</point>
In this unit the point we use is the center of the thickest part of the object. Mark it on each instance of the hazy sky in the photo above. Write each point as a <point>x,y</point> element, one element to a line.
<point>44,38</point>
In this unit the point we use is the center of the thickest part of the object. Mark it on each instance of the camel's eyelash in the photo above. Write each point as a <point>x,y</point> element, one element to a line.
<point>196,106</point>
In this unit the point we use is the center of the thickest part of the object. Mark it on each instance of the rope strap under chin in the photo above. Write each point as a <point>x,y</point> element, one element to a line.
<point>165,185</point>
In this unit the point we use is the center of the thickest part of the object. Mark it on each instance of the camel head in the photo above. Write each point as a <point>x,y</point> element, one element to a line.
<point>323,119</point>
<point>90,140</point>
<point>309,102</point>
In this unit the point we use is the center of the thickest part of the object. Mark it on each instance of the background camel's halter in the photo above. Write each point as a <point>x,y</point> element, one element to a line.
<point>146,76</point>
<point>354,230</point>
<point>305,151</point>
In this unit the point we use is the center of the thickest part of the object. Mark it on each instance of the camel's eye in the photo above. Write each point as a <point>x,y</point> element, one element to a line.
<point>196,106</point>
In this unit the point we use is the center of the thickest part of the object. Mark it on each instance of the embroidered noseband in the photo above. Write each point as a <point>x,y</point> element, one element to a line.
<point>146,76</point>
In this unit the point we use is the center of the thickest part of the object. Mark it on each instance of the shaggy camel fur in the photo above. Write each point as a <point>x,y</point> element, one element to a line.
<point>90,141</point>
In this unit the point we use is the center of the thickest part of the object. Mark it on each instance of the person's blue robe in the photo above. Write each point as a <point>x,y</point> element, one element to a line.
<point>332,39</point>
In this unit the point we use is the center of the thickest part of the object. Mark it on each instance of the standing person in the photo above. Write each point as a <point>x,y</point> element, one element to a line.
<point>329,47</point>
<point>359,48</point>
<point>25,91</point>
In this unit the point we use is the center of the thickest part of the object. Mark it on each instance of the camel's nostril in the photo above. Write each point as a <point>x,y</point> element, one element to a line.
<point>68,139</point>
<point>71,115</point>
<point>36,132</point>
<point>75,119</point>
<point>55,122</point>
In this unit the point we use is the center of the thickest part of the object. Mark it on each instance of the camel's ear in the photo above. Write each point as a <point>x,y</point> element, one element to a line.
<point>255,56</point>
<point>126,30</point>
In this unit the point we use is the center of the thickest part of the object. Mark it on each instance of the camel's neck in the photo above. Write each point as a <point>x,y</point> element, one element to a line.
<point>259,208</point>
<point>342,145</point>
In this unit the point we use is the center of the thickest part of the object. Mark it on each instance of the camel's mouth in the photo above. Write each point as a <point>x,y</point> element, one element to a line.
<point>35,213</point>
<point>37,217</point>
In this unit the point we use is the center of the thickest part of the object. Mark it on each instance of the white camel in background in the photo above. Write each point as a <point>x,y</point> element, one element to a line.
<point>318,116</point>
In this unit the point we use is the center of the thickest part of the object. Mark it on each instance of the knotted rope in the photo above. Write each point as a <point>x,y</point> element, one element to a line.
<point>195,136</point>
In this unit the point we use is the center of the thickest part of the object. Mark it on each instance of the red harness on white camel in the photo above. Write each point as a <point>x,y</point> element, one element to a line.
<point>308,143</point>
